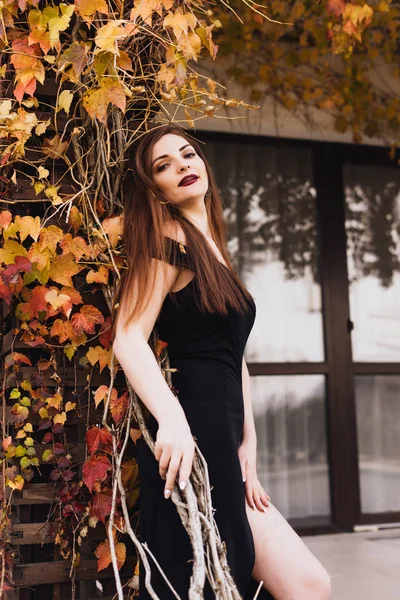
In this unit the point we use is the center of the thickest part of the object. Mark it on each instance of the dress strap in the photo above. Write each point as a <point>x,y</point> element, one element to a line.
<point>178,254</point>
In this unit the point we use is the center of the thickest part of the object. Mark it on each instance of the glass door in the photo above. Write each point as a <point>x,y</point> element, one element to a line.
<point>372,213</point>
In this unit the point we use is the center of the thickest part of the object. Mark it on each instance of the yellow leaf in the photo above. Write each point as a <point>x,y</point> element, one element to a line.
<point>21,434</point>
<point>10,250</point>
<point>70,406</point>
<point>43,413</point>
<point>64,100</point>
<point>63,268</point>
<point>51,192</point>
<point>29,442</point>
<point>88,8</point>
<point>58,301</point>
<point>96,101</point>
<point>38,187</point>
<point>60,418</point>
<point>107,36</point>
<point>28,427</point>
<point>54,401</point>
<point>28,226</point>
<point>43,172</point>
<point>180,22</point>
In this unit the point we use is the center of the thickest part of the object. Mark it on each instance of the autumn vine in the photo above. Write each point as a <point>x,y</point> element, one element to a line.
<point>80,83</point>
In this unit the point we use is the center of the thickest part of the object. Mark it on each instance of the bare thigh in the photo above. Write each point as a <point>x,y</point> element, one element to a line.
<point>283,561</point>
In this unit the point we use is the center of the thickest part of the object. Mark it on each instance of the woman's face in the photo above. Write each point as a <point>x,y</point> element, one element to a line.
<point>178,171</point>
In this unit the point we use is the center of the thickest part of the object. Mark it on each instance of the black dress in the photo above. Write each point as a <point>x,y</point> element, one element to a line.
<point>207,349</point>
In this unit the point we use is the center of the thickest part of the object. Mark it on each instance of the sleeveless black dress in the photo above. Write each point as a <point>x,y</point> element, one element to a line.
<point>207,349</point>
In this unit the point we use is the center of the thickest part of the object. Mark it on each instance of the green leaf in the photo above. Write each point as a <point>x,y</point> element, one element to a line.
<point>47,455</point>
<point>69,351</point>
<point>26,462</point>
<point>25,401</point>
<point>20,451</point>
<point>15,393</point>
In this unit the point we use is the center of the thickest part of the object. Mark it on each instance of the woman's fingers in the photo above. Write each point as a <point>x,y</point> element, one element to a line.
<point>173,469</point>
<point>163,464</point>
<point>186,469</point>
<point>257,500</point>
<point>249,492</point>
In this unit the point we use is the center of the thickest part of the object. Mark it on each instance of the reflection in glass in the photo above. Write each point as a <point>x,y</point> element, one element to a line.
<point>378,426</point>
<point>269,204</point>
<point>373,247</point>
<point>289,413</point>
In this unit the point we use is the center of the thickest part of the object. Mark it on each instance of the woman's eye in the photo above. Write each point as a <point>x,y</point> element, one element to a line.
<point>188,155</point>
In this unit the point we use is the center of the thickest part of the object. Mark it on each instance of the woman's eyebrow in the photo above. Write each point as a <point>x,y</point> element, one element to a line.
<point>166,155</point>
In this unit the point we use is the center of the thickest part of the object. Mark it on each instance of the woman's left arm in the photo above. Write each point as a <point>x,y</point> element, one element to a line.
<point>255,494</point>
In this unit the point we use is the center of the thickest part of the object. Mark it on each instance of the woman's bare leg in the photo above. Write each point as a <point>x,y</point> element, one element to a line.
<point>283,562</point>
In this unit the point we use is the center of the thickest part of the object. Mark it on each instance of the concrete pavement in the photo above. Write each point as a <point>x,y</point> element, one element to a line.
<point>363,566</point>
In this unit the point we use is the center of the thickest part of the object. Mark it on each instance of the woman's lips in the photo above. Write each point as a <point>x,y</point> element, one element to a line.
<point>189,182</point>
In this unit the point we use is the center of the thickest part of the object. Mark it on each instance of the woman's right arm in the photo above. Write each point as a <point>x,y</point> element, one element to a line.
<point>174,446</point>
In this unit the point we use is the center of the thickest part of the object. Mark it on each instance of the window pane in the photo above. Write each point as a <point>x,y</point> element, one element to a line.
<point>269,202</point>
<point>378,425</point>
<point>289,413</point>
<point>373,246</point>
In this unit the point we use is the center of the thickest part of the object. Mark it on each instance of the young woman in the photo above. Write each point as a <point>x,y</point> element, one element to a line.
<point>180,280</point>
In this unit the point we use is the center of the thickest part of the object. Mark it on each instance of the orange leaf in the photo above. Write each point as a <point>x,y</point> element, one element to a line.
<point>75,245</point>
<point>100,276</point>
<point>62,268</point>
<point>100,355</point>
<point>5,219</point>
<point>103,554</point>
<point>86,319</point>
<point>62,329</point>
<point>102,393</point>
<point>75,218</point>
<point>75,296</point>
<point>135,434</point>
<point>113,226</point>
<point>119,407</point>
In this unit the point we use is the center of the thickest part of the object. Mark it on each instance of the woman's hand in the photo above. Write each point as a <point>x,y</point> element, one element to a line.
<point>174,450</point>
<point>255,494</point>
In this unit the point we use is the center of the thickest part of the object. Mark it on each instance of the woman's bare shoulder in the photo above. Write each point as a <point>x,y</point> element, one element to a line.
<point>174,230</point>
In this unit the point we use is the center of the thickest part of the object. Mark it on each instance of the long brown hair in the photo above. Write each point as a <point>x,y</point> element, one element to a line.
<point>145,222</point>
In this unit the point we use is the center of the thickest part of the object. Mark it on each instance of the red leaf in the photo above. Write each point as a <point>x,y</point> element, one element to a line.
<point>119,407</point>
<point>16,358</point>
<point>5,293</point>
<point>105,333</point>
<point>95,469</point>
<point>101,505</point>
<point>86,319</point>
<point>38,301</point>
<point>99,439</point>
<point>336,7</point>
<point>9,275</point>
